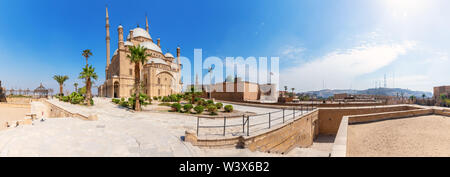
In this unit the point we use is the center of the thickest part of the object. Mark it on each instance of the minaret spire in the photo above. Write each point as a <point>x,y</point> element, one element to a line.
<point>107,39</point>
<point>146,23</point>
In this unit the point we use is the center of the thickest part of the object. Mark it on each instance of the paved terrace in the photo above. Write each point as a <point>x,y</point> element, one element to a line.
<point>119,132</point>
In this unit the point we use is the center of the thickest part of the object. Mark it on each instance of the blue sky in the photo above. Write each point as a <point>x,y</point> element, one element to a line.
<point>342,43</point>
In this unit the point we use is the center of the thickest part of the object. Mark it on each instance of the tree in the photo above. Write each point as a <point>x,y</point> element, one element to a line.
<point>285,90</point>
<point>86,54</point>
<point>76,87</point>
<point>88,73</point>
<point>443,96</point>
<point>293,95</point>
<point>61,79</point>
<point>138,56</point>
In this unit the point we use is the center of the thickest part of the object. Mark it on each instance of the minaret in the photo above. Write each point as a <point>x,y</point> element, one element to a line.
<point>107,39</point>
<point>146,23</point>
<point>178,55</point>
<point>120,31</point>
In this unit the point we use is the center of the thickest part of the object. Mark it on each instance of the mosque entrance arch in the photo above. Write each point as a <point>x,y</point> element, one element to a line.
<point>116,89</point>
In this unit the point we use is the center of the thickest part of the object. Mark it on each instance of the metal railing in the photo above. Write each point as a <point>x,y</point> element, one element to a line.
<point>274,118</point>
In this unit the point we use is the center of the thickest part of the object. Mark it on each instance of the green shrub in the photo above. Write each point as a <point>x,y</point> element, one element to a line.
<point>165,104</point>
<point>124,104</point>
<point>174,98</point>
<point>115,100</point>
<point>201,102</point>
<point>166,99</point>
<point>122,99</point>
<point>188,107</point>
<point>219,105</point>
<point>228,108</point>
<point>155,98</point>
<point>77,99</point>
<point>199,109</point>
<point>92,102</point>
<point>65,98</point>
<point>210,102</point>
<point>144,100</point>
<point>176,107</point>
<point>212,109</point>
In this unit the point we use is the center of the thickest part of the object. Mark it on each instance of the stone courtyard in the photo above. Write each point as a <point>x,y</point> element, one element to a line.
<point>120,132</point>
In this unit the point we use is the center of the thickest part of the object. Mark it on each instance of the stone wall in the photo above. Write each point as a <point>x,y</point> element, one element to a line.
<point>330,118</point>
<point>300,132</point>
<point>54,111</point>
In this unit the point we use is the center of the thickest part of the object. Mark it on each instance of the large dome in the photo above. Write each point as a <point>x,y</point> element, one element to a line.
<point>128,43</point>
<point>157,61</point>
<point>139,32</point>
<point>151,46</point>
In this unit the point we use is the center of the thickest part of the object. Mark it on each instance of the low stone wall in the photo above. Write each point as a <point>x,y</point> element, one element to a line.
<point>442,112</point>
<point>300,132</point>
<point>388,115</point>
<point>340,144</point>
<point>288,105</point>
<point>54,111</point>
<point>330,118</point>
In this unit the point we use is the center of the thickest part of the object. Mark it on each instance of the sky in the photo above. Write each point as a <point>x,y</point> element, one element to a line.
<point>321,44</point>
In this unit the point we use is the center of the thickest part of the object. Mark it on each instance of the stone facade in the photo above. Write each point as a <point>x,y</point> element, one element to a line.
<point>160,76</point>
<point>239,91</point>
<point>437,91</point>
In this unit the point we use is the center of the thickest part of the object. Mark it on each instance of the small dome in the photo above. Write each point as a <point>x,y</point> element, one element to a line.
<point>120,26</point>
<point>128,43</point>
<point>157,61</point>
<point>151,46</point>
<point>115,52</point>
<point>168,55</point>
<point>174,66</point>
<point>139,32</point>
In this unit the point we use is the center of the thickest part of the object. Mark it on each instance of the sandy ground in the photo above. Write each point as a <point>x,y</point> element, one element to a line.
<point>8,113</point>
<point>408,137</point>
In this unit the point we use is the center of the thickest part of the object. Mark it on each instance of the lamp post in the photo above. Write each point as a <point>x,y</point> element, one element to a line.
<point>210,70</point>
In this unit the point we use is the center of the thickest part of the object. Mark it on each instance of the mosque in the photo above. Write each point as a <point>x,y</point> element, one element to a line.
<point>160,76</point>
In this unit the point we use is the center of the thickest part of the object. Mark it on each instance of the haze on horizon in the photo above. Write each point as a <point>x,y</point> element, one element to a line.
<point>333,44</point>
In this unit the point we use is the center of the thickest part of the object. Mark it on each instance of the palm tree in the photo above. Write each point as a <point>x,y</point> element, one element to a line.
<point>87,53</point>
<point>88,73</point>
<point>138,55</point>
<point>76,86</point>
<point>293,96</point>
<point>285,89</point>
<point>60,79</point>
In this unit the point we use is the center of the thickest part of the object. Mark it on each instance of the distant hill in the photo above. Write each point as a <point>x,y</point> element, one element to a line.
<point>372,91</point>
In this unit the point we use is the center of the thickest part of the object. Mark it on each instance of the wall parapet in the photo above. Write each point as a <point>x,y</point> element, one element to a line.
<point>56,111</point>
<point>299,132</point>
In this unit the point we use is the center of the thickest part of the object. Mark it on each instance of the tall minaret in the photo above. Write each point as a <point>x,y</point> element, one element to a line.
<point>146,23</point>
<point>178,55</point>
<point>107,39</point>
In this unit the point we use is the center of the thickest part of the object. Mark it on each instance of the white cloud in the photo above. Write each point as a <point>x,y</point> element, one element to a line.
<point>339,68</point>
<point>291,52</point>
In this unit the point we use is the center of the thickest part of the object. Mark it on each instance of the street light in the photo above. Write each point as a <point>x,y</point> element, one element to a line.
<point>210,70</point>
